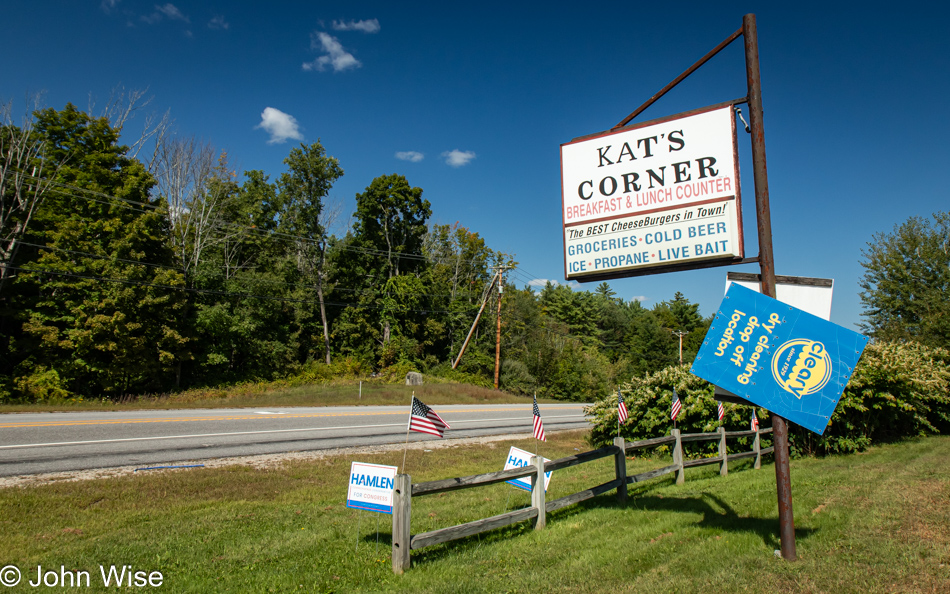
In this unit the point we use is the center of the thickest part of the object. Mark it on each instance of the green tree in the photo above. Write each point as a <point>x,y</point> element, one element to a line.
<point>386,242</point>
<point>310,175</point>
<point>99,301</point>
<point>906,282</point>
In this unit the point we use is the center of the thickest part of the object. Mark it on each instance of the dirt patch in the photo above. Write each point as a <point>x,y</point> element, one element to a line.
<point>261,462</point>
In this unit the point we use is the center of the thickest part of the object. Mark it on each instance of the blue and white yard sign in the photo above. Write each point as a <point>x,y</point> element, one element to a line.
<point>518,458</point>
<point>781,358</point>
<point>371,487</point>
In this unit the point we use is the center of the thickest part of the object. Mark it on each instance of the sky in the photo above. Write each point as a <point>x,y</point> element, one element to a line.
<point>472,101</point>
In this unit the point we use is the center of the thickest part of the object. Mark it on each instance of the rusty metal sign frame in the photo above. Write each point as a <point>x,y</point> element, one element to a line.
<point>749,32</point>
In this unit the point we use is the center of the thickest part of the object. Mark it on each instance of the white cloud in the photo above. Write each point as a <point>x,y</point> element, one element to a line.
<point>458,158</point>
<point>411,156</point>
<point>336,57</point>
<point>370,26</point>
<point>168,10</point>
<point>640,298</point>
<point>281,126</point>
<point>108,5</point>
<point>218,22</point>
<point>171,11</point>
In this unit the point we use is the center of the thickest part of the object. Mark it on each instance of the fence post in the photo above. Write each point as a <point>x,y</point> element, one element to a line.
<point>723,452</point>
<point>620,466</point>
<point>402,514</point>
<point>757,448</point>
<point>678,458</point>
<point>537,492</point>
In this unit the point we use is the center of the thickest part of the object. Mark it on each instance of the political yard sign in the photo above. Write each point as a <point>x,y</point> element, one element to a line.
<point>781,358</point>
<point>654,197</point>
<point>518,458</point>
<point>371,487</point>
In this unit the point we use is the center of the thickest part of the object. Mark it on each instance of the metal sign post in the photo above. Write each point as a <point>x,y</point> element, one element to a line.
<point>783,483</point>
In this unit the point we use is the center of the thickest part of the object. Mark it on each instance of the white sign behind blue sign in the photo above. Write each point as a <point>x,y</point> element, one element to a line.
<point>371,487</point>
<point>518,458</point>
<point>781,358</point>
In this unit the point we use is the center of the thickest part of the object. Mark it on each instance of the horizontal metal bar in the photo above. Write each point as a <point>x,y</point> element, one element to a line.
<point>434,537</point>
<point>582,495</point>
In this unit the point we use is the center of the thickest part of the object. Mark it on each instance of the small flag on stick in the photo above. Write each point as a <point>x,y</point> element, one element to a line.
<point>721,411</point>
<point>425,420</point>
<point>538,425</point>
<point>677,406</point>
<point>755,421</point>
<point>621,408</point>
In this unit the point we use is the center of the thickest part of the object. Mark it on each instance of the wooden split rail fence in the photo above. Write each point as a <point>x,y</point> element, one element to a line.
<point>403,541</point>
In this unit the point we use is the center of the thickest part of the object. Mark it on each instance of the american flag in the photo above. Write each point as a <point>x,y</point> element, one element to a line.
<point>621,407</point>
<point>721,411</point>
<point>538,425</point>
<point>677,406</point>
<point>755,421</point>
<point>425,420</point>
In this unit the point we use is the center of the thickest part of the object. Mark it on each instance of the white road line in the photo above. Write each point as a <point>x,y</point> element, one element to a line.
<point>68,443</point>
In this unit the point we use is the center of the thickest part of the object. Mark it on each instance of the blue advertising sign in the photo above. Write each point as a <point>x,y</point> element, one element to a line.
<point>779,357</point>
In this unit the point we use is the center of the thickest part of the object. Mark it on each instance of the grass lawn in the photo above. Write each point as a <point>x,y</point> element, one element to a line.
<point>275,394</point>
<point>872,522</point>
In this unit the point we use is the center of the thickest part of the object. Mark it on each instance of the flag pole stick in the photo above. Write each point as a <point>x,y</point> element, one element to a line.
<point>406,447</point>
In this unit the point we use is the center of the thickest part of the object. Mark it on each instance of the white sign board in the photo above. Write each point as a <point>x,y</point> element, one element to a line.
<point>518,458</point>
<point>807,294</point>
<point>371,487</point>
<point>661,194</point>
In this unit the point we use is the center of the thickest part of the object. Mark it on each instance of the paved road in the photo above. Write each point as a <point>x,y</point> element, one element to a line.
<point>56,442</point>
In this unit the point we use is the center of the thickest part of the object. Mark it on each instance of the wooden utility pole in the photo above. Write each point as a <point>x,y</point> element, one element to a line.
<point>681,334</point>
<point>498,333</point>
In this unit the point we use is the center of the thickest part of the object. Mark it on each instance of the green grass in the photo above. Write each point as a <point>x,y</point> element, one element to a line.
<point>872,522</point>
<point>274,394</point>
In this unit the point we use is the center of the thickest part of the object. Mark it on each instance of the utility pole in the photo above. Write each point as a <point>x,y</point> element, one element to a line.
<point>501,269</point>
<point>681,334</point>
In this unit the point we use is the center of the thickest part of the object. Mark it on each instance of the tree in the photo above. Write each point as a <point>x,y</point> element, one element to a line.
<point>310,175</point>
<point>98,299</point>
<point>25,179</point>
<point>906,282</point>
<point>390,225</point>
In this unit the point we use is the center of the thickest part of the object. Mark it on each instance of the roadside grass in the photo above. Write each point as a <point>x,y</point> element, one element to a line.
<point>276,394</point>
<point>872,522</point>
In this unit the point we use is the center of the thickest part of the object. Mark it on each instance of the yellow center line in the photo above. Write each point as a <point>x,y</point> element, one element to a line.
<point>26,424</point>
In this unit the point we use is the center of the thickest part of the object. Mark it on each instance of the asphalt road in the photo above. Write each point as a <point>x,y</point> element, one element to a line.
<point>35,443</point>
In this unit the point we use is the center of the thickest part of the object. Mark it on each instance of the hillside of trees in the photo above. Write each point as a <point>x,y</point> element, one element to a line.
<point>155,267</point>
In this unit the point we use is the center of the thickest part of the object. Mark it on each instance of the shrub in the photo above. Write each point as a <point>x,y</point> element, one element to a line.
<point>898,390</point>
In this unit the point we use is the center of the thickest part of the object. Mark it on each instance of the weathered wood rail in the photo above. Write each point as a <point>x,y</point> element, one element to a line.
<point>403,541</point>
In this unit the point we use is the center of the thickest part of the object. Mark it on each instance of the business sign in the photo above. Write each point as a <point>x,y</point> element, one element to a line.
<point>656,196</point>
<point>518,458</point>
<point>807,294</point>
<point>779,357</point>
<point>371,487</point>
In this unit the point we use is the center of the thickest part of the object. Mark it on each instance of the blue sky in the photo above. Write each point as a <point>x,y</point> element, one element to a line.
<point>471,102</point>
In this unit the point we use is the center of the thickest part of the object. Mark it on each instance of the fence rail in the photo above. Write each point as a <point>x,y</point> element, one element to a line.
<point>404,541</point>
